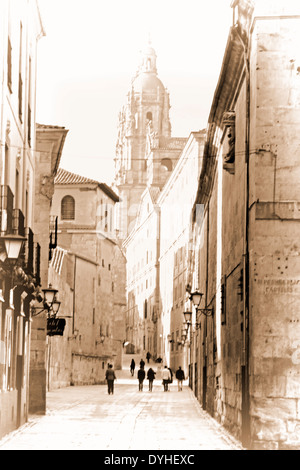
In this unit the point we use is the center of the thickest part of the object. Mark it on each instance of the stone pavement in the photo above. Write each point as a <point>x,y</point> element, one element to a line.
<point>87,418</point>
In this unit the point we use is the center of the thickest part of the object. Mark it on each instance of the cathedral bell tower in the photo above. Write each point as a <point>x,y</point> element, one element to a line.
<point>147,107</point>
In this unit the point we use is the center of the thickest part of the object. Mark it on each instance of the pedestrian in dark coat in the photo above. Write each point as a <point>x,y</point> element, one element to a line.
<point>180,378</point>
<point>132,366</point>
<point>151,377</point>
<point>141,378</point>
<point>110,377</point>
<point>142,363</point>
<point>148,356</point>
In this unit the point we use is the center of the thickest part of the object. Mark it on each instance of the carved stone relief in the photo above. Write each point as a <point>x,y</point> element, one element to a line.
<point>229,141</point>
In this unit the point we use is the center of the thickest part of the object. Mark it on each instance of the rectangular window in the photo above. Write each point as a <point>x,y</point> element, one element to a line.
<point>17,183</point>
<point>29,117</point>
<point>8,342</point>
<point>20,89</point>
<point>9,65</point>
<point>223,301</point>
<point>177,339</point>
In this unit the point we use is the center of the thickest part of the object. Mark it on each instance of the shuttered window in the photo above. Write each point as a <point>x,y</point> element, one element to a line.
<point>68,208</point>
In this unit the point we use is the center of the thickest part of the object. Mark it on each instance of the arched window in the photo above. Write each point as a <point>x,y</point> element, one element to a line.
<point>68,208</point>
<point>167,163</point>
<point>149,116</point>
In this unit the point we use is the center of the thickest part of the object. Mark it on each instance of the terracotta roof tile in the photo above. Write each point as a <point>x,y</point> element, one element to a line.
<point>66,177</point>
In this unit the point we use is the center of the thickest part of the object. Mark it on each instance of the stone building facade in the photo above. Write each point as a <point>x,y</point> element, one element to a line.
<point>156,246</point>
<point>146,155</point>
<point>21,28</point>
<point>245,255</point>
<point>145,150</point>
<point>174,239</point>
<point>94,270</point>
<point>142,286</point>
<point>49,147</point>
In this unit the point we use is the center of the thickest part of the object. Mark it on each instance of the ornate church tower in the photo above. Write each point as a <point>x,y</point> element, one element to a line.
<point>145,112</point>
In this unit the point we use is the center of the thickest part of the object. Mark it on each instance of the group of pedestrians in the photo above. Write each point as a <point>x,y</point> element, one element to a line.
<point>167,376</point>
<point>141,375</point>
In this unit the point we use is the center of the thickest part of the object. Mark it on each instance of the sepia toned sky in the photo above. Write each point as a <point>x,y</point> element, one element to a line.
<point>91,52</point>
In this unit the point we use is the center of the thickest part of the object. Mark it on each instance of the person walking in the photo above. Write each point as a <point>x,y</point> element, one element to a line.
<point>141,378</point>
<point>180,378</point>
<point>142,363</point>
<point>148,356</point>
<point>166,378</point>
<point>110,377</point>
<point>171,375</point>
<point>132,367</point>
<point>151,377</point>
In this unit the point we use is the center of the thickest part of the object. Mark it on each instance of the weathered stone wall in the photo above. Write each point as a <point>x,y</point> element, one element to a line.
<point>233,229</point>
<point>275,230</point>
<point>59,348</point>
<point>274,253</point>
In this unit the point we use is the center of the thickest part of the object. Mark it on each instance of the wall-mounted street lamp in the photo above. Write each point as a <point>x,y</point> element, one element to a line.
<point>13,245</point>
<point>184,333</point>
<point>188,321</point>
<point>10,251</point>
<point>50,303</point>
<point>196,298</point>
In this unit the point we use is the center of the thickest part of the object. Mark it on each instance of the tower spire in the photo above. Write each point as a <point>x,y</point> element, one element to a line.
<point>148,58</point>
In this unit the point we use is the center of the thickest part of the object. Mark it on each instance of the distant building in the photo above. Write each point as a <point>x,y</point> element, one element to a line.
<point>146,155</point>
<point>145,151</point>
<point>88,261</point>
<point>176,202</point>
<point>143,296</point>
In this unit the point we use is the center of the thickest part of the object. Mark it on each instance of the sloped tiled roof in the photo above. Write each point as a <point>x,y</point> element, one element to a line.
<point>66,177</point>
<point>46,126</point>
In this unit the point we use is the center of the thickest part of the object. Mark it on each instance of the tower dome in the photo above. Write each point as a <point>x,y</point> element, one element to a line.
<point>146,79</point>
<point>146,82</point>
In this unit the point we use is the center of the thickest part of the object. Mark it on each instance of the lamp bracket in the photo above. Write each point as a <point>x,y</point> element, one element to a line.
<point>35,311</point>
<point>208,312</point>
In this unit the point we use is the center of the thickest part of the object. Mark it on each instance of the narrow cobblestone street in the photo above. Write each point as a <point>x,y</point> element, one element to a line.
<point>87,418</point>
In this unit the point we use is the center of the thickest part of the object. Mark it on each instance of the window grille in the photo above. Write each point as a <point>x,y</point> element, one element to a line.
<point>68,208</point>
